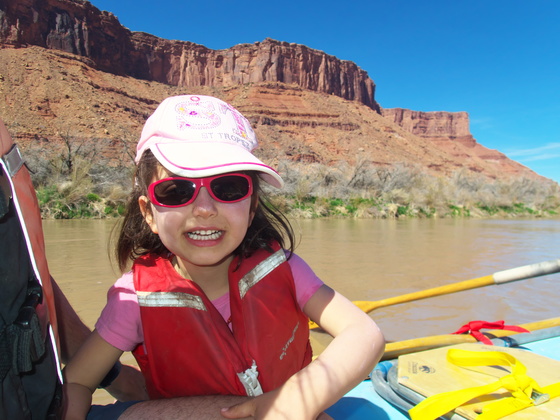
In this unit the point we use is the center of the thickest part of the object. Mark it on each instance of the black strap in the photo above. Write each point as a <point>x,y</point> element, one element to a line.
<point>27,338</point>
<point>5,193</point>
<point>5,351</point>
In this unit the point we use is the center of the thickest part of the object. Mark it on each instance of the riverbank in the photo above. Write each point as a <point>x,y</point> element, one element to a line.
<point>57,205</point>
<point>317,191</point>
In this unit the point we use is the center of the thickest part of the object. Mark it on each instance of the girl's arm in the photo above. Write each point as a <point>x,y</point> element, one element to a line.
<point>129,384</point>
<point>72,331</point>
<point>84,372</point>
<point>356,348</point>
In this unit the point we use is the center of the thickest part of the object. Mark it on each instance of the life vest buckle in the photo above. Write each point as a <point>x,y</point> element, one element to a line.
<point>250,381</point>
<point>27,310</point>
<point>539,397</point>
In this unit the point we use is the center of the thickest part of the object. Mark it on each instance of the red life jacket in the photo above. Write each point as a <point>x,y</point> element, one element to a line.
<point>188,347</point>
<point>30,377</point>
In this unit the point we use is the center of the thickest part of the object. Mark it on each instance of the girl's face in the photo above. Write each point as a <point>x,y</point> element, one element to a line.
<point>203,233</point>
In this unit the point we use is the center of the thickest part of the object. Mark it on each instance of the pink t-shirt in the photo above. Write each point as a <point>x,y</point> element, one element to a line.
<point>120,323</point>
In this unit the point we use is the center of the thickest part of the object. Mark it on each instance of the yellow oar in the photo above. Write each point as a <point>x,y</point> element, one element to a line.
<point>505,276</point>
<point>395,349</point>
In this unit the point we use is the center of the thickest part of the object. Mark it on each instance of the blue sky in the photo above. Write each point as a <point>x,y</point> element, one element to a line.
<point>498,60</point>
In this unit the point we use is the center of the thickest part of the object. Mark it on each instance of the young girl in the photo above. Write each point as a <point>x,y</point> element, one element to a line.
<point>214,303</point>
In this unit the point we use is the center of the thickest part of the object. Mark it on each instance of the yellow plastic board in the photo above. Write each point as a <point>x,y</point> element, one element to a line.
<point>429,373</point>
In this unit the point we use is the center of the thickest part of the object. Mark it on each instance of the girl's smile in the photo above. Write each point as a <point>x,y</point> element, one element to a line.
<point>205,235</point>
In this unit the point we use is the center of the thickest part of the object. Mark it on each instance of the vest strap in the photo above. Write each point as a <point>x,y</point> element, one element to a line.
<point>13,160</point>
<point>28,341</point>
<point>5,352</point>
<point>22,343</point>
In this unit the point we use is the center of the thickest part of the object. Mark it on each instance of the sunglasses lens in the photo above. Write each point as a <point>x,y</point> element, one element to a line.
<point>174,192</point>
<point>230,188</point>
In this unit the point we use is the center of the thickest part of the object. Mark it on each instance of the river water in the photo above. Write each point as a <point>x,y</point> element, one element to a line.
<point>368,260</point>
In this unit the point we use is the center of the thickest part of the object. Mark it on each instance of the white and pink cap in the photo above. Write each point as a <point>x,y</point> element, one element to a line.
<point>197,136</point>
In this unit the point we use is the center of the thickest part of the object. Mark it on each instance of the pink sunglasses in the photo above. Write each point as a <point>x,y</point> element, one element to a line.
<point>178,192</point>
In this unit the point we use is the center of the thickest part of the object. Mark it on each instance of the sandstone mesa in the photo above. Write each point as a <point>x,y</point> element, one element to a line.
<point>69,69</point>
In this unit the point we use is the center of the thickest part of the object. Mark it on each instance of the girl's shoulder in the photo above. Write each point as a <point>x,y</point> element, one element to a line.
<point>126,282</point>
<point>298,264</point>
<point>305,279</point>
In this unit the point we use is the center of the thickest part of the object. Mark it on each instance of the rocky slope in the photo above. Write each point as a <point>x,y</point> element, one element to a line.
<point>70,71</point>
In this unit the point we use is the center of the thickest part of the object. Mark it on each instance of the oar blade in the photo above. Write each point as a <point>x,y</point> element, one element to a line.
<point>527,271</point>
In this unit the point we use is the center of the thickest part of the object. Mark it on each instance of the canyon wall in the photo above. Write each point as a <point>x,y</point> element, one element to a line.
<point>67,67</point>
<point>77,27</point>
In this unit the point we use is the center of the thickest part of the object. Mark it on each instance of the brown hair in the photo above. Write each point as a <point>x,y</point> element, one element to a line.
<point>135,238</point>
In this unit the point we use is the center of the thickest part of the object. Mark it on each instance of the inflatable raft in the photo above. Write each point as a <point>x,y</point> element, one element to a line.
<point>460,381</point>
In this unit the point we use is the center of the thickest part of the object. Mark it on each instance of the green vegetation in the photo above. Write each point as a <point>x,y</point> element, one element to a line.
<point>60,203</point>
<point>367,191</point>
<point>79,184</point>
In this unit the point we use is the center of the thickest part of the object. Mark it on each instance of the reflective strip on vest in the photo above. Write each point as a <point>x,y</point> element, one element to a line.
<point>260,271</point>
<point>170,299</point>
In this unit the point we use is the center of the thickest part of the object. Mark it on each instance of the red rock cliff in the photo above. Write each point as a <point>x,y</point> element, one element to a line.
<point>430,124</point>
<point>450,131</point>
<point>77,27</point>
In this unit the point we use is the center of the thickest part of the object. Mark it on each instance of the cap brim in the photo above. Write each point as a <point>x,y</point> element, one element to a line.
<point>200,159</point>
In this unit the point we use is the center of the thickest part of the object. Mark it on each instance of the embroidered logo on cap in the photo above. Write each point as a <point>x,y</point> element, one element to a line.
<point>221,121</point>
<point>196,114</point>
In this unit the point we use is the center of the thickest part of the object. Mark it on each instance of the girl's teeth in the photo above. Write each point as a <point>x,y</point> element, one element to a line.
<point>202,235</point>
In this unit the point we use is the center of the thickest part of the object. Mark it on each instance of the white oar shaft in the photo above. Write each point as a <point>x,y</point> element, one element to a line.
<point>500,277</point>
<point>527,271</point>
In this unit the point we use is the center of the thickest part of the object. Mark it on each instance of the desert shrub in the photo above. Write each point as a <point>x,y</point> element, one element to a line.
<point>76,182</point>
<point>408,191</point>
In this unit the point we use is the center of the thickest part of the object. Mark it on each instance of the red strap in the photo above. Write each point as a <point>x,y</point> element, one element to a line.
<point>473,328</point>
